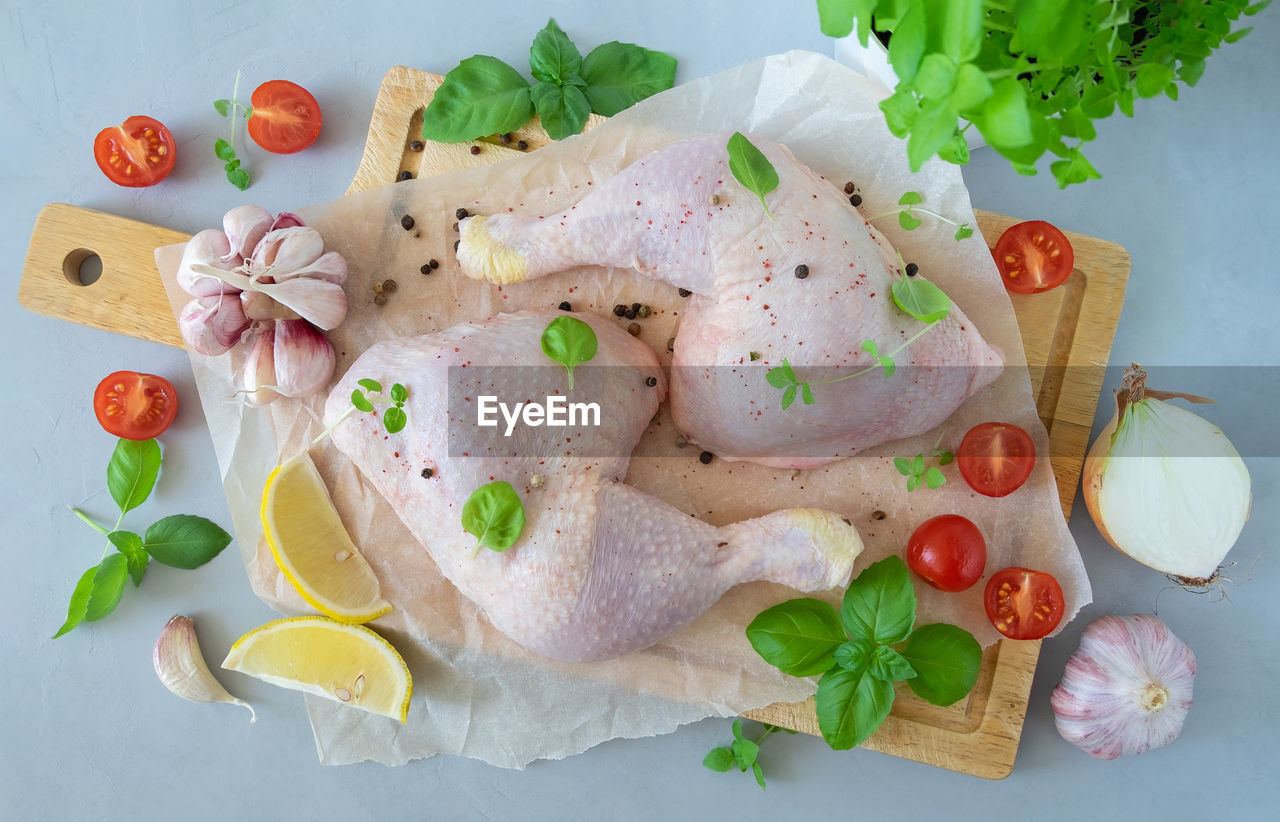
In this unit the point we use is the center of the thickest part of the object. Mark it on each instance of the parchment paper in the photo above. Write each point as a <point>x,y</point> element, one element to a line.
<point>478,694</point>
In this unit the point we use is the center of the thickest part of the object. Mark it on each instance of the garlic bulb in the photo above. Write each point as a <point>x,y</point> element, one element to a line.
<point>1166,486</point>
<point>1127,689</point>
<point>182,669</point>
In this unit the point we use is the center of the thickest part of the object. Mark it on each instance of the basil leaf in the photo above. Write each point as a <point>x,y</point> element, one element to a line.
<point>481,96</point>
<point>836,17</point>
<point>184,541</point>
<point>880,604</point>
<point>238,177</point>
<point>130,544</point>
<point>935,125</point>
<point>360,401</point>
<point>619,75</point>
<point>570,342</point>
<point>937,76</point>
<point>900,111</point>
<point>394,419</point>
<point>788,397</point>
<point>1005,120</point>
<point>934,478</point>
<point>132,472</point>
<point>553,57</point>
<point>855,654</point>
<point>889,665</point>
<point>719,760</point>
<point>79,602</point>
<point>962,29</point>
<point>906,47</point>
<point>903,465</point>
<point>798,637</point>
<point>108,587</point>
<point>372,386</point>
<point>562,109</point>
<point>222,107</point>
<point>1152,78</point>
<point>781,376</point>
<point>494,515</point>
<point>946,660</point>
<point>399,393</point>
<point>850,706</point>
<point>972,88</point>
<point>921,299</point>
<point>751,168</point>
<point>759,774</point>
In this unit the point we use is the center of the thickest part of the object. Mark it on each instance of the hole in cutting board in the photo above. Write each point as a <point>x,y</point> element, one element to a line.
<point>82,267</point>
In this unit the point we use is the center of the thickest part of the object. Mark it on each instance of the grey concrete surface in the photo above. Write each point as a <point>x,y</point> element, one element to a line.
<point>86,730</point>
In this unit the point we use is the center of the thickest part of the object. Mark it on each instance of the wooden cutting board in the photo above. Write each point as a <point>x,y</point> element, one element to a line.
<point>1067,334</point>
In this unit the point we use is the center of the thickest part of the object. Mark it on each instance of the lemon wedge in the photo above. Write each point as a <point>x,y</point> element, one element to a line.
<point>317,655</point>
<point>312,547</point>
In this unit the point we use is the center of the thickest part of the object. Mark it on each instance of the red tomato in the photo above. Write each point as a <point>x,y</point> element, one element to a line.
<point>285,119</point>
<point>948,552</point>
<point>139,152</point>
<point>135,406</point>
<point>996,458</point>
<point>1033,256</point>
<point>1024,604</point>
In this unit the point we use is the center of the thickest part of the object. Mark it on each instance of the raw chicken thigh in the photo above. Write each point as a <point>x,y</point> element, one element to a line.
<point>600,568</point>
<point>679,215</point>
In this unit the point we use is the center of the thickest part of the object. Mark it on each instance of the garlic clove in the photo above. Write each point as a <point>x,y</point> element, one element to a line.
<point>260,368</point>
<point>320,302</point>
<point>258,306</point>
<point>245,226</point>
<point>204,249</point>
<point>330,267</point>
<point>212,325</point>
<point>1127,689</point>
<point>304,358</point>
<point>286,219</point>
<point>288,249</point>
<point>182,669</point>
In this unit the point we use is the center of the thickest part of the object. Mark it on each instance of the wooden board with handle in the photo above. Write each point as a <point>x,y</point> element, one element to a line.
<point>1067,334</point>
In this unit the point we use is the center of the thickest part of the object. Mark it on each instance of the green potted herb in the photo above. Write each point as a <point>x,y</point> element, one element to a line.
<point>1031,75</point>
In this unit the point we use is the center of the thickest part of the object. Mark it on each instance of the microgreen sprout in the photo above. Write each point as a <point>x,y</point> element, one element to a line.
<point>743,753</point>
<point>911,206</point>
<point>917,471</point>
<point>226,149</point>
<point>393,418</point>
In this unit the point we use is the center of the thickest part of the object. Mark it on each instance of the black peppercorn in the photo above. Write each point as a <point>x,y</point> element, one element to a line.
<point>426,268</point>
<point>404,175</point>
<point>417,145</point>
<point>877,515</point>
<point>426,473</point>
<point>802,271</point>
<point>912,269</point>
<point>634,329</point>
<point>635,306</point>
<point>855,200</point>
<point>456,243</point>
<point>406,222</point>
<point>522,145</point>
<point>651,381</point>
<point>389,286</point>
<point>629,313</point>
<point>506,139</point>
<point>379,299</point>
<point>684,292</point>
<point>849,187</point>
<point>475,149</point>
<point>566,306</point>
<point>461,213</point>
<point>705,457</point>
<point>619,310</point>
<point>434,264</point>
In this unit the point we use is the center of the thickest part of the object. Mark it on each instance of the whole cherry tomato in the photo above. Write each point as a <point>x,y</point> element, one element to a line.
<point>948,552</point>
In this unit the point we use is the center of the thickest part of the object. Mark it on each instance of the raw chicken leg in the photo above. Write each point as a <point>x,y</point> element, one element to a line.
<point>678,215</point>
<point>600,568</point>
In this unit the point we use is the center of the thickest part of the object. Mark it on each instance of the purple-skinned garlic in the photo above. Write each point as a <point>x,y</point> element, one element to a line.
<point>289,358</point>
<point>1127,689</point>
<point>213,325</point>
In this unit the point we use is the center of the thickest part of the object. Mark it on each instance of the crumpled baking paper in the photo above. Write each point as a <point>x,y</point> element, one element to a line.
<point>477,693</point>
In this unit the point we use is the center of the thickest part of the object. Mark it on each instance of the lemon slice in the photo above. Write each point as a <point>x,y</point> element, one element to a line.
<point>312,547</point>
<point>314,654</point>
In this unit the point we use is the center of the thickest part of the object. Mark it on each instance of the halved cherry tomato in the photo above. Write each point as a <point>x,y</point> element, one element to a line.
<point>137,153</point>
<point>1024,604</point>
<point>948,552</point>
<point>135,406</point>
<point>285,119</point>
<point>1033,256</point>
<point>996,458</point>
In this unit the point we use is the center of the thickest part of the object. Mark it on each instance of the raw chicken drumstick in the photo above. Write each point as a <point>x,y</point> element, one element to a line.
<point>600,568</point>
<point>679,215</point>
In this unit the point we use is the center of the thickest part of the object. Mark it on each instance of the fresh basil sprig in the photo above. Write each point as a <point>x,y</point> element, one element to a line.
<point>181,541</point>
<point>742,752</point>
<point>751,168</point>
<point>394,418</point>
<point>570,342</point>
<point>918,471</point>
<point>494,515</point>
<point>484,96</point>
<point>226,149</point>
<point>867,647</point>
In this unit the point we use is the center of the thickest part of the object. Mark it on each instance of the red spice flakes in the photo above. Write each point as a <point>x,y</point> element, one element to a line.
<point>395,454</point>
<point>637,202</point>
